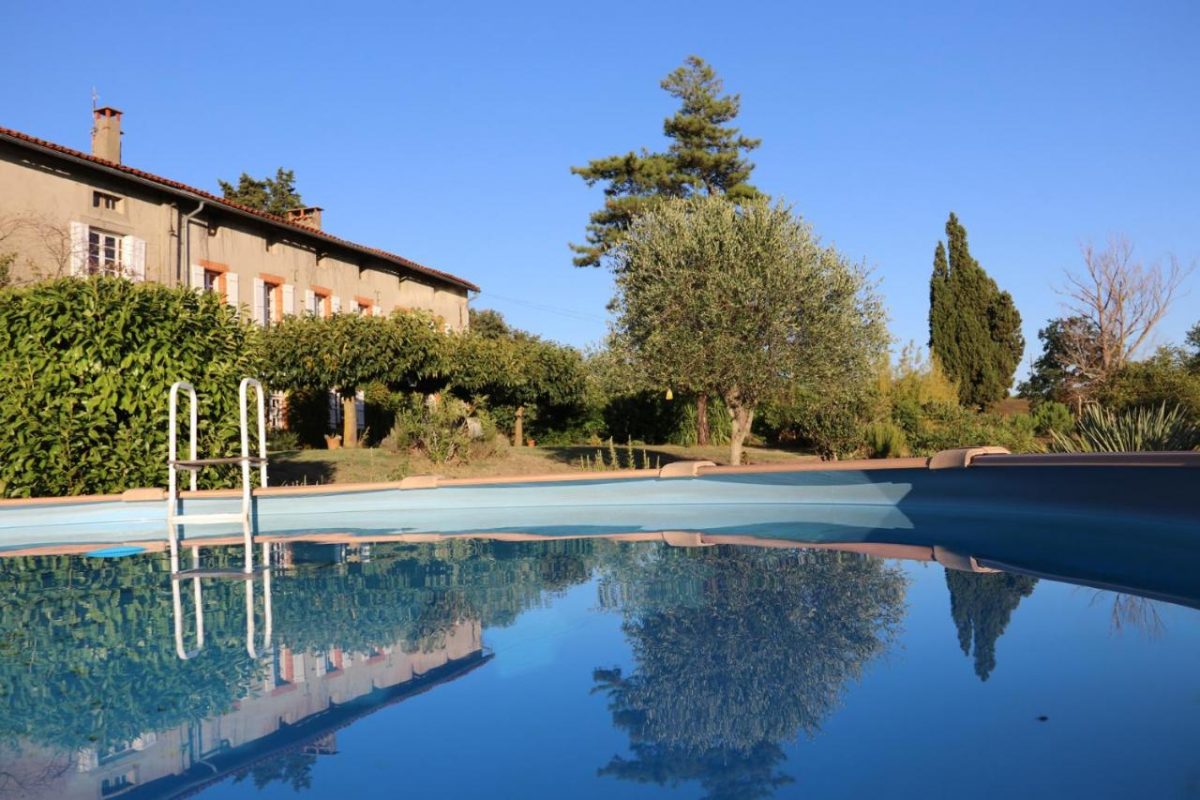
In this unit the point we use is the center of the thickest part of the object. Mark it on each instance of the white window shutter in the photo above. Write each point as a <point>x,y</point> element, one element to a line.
<point>336,303</point>
<point>256,302</point>
<point>133,252</point>
<point>197,276</point>
<point>377,310</point>
<point>289,299</point>
<point>310,302</point>
<point>231,289</point>
<point>79,248</point>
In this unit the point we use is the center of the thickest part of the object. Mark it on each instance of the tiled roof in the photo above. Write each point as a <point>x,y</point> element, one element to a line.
<point>25,139</point>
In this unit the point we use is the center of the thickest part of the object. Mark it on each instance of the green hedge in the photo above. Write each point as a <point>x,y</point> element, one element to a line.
<point>85,367</point>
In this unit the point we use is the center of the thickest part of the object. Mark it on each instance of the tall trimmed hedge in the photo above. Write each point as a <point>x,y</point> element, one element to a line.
<point>85,367</point>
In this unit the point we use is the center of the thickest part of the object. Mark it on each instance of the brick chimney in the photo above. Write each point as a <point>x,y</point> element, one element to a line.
<point>106,134</point>
<point>309,216</point>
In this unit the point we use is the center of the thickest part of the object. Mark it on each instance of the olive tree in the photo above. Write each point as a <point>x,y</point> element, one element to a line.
<point>745,303</point>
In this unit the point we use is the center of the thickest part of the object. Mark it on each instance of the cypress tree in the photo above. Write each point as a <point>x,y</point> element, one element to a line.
<point>974,327</point>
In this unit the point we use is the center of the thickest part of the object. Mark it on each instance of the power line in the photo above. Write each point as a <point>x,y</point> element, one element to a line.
<point>579,315</point>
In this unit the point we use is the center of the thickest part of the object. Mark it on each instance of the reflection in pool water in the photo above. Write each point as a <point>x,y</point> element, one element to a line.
<point>617,669</point>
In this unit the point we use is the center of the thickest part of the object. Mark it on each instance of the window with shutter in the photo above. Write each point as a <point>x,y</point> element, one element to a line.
<point>256,301</point>
<point>134,260</point>
<point>231,289</point>
<point>104,254</point>
<point>79,248</point>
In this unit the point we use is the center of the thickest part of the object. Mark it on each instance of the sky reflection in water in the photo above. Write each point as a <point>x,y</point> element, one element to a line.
<point>598,669</point>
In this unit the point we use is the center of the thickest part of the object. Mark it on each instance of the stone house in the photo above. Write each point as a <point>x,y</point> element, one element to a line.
<point>66,212</point>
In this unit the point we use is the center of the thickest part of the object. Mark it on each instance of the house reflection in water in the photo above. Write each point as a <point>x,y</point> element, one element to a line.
<point>297,708</point>
<point>303,700</point>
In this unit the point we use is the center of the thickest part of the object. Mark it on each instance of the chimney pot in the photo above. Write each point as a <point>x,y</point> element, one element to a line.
<point>106,134</point>
<point>309,216</point>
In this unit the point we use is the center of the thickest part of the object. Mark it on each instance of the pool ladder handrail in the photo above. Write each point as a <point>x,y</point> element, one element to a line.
<point>196,573</point>
<point>194,464</point>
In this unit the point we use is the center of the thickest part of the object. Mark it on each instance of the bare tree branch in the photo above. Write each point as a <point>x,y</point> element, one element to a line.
<point>1122,300</point>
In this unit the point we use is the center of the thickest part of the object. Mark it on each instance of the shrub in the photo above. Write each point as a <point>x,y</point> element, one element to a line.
<point>1167,378</point>
<point>831,424</point>
<point>1052,416</point>
<point>437,427</point>
<point>1101,430</point>
<point>941,427</point>
<point>85,367</point>
<point>885,440</point>
<point>916,380</point>
<point>282,441</point>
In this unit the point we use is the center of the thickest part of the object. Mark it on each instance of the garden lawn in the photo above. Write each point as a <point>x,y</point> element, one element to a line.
<point>374,465</point>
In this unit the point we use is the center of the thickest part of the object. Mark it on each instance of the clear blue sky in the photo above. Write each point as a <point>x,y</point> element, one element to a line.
<point>445,131</point>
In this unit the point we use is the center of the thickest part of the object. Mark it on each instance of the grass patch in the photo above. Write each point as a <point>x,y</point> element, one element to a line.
<point>375,464</point>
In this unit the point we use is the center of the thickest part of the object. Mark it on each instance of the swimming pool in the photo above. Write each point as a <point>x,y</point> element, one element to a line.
<point>743,662</point>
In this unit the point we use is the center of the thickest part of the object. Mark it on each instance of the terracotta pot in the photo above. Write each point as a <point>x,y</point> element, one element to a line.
<point>333,442</point>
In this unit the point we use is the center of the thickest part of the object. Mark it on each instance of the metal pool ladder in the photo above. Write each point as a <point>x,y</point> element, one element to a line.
<point>192,464</point>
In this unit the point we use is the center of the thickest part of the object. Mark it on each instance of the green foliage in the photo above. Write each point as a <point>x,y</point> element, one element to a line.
<point>1049,416</point>
<point>1101,430</point>
<point>917,381</point>
<point>512,369</point>
<point>1057,373</point>
<point>1193,341</point>
<point>282,440</point>
<point>935,427</point>
<point>307,416</point>
<point>886,440</point>
<point>1169,377</point>
<point>974,328</point>
<point>981,606</point>
<point>347,352</point>
<point>705,156</point>
<point>85,369</point>
<point>414,594</point>
<point>276,195</point>
<point>686,432</point>
<point>311,356</point>
<point>81,640</point>
<point>488,323</point>
<point>436,426</point>
<point>6,262</point>
<point>87,653</point>
<point>831,423</point>
<point>789,630</point>
<point>701,277</point>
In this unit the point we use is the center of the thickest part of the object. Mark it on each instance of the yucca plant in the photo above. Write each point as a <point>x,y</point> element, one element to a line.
<point>1102,431</point>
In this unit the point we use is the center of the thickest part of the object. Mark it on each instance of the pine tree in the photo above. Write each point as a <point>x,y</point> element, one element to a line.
<point>276,195</point>
<point>705,156</point>
<point>974,327</point>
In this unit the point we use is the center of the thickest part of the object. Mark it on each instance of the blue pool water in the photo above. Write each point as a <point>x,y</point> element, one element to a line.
<point>591,669</point>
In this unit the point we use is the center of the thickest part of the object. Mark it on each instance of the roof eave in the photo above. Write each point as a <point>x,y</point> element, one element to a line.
<point>312,234</point>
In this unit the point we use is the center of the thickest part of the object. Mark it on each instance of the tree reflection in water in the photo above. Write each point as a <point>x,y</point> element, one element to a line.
<point>981,605</point>
<point>738,650</point>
